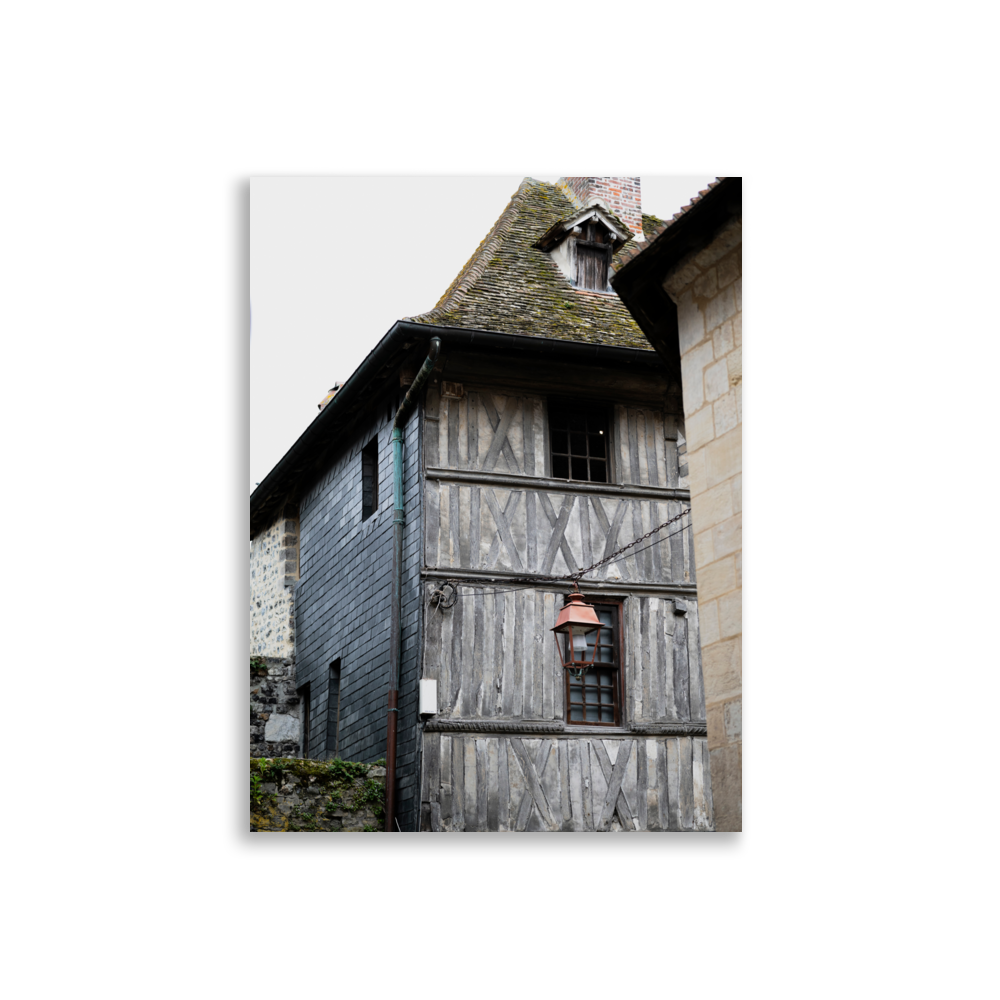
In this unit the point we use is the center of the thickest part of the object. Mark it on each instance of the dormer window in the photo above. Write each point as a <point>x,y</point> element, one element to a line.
<point>581,247</point>
<point>593,254</point>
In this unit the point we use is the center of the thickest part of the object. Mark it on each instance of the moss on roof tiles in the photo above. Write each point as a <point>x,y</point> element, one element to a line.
<point>509,287</point>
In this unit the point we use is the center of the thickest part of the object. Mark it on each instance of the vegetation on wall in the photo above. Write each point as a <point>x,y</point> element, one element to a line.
<point>336,790</point>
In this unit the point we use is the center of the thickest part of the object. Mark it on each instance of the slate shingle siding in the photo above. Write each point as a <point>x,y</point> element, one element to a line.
<point>342,606</point>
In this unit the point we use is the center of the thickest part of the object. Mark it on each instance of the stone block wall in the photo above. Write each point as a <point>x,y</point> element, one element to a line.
<point>274,568</point>
<point>311,796</point>
<point>275,710</point>
<point>708,288</point>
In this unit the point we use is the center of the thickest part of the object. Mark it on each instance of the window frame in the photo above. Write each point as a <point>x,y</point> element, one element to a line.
<point>607,414</point>
<point>616,604</point>
<point>369,460</point>
<point>591,228</point>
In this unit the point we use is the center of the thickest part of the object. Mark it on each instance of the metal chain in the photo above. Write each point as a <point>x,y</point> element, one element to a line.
<point>625,548</point>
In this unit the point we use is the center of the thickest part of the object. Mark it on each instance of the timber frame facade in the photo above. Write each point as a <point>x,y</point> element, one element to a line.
<point>494,535</point>
<point>508,540</point>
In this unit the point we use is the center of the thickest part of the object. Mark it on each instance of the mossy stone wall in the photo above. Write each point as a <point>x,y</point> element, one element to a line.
<point>291,795</point>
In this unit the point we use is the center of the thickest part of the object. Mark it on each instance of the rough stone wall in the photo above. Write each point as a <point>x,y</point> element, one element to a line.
<point>275,727</point>
<point>342,606</point>
<point>308,796</point>
<point>708,289</point>
<point>274,568</point>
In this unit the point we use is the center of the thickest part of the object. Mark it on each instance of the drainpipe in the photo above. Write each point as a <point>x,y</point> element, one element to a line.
<point>396,633</point>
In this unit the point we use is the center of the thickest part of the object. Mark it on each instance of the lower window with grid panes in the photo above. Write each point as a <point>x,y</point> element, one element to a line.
<point>595,698</point>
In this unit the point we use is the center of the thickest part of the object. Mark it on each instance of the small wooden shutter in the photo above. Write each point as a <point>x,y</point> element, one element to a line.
<point>592,266</point>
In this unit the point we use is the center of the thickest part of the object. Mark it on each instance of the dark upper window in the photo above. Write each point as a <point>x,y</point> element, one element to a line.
<point>593,254</point>
<point>369,479</point>
<point>579,436</point>
<point>333,711</point>
<point>595,698</point>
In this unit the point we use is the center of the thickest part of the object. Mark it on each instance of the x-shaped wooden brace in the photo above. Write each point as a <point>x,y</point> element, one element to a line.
<point>501,426</point>
<point>558,539</point>
<point>532,772</point>
<point>502,518</point>
<point>615,800</point>
<point>611,533</point>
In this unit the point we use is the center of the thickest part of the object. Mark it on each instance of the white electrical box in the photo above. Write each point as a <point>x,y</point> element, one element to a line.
<point>428,697</point>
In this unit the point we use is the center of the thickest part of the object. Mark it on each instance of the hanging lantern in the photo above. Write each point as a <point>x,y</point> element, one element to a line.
<point>576,623</point>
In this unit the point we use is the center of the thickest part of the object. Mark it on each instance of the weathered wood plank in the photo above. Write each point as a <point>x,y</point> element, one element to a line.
<point>653,754</point>
<point>574,749</point>
<point>587,760</point>
<point>514,691</point>
<point>699,803</point>
<point>641,777</point>
<point>432,767</point>
<point>458,782</point>
<point>455,524</point>
<point>466,662</point>
<point>528,435</point>
<point>697,689</point>
<point>480,662</point>
<point>475,526</point>
<point>549,778</point>
<point>452,414</point>
<point>474,407</point>
<point>673,783</point>
<point>633,449</point>
<point>630,784</point>
<point>706,772</point>
<point>653,472</point>
<point>432,531</point>
<point>531,532</point>
<point>656,551</point>
<point>537,663</point>
<point>662,663</point>
<point>640,434</point>
<point>548,694</point>
<point>647,666</point>
<point>456,616</point>
<point>503,786</point>
<point>482,787</point>
<point>565,805</point>
<point>676,544</point>
<point>663,784</point>
<point>614,798</point>
<point>496,675</point>
<point>470,806</point>
<point>685,798</point>
<point>518,788</point>
<point>682,704</point>
<point>444,794</point>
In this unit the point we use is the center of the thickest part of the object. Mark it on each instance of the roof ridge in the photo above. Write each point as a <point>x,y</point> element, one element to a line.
<point>474,267</point>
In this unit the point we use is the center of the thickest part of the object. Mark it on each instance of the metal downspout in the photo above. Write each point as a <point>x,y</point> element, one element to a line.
<point>396,633</point>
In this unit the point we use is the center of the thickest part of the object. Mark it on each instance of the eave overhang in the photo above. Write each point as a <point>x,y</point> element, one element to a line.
<point>324,437</point>
<point>555,234</point>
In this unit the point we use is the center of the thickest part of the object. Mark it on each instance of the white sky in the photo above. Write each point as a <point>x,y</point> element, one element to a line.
<point>335,261</point>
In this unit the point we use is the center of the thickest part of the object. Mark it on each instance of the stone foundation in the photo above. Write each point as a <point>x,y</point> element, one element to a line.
<point>289,795</point>
<point>275,712</point>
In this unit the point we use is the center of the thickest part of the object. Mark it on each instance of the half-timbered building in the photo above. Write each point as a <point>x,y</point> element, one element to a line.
<point>422,535</point>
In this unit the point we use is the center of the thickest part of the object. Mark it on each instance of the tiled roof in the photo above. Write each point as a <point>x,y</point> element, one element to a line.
<point>509,287</point>
<point>652,227</point>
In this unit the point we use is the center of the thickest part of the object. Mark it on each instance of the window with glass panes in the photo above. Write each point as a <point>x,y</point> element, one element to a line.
<point>595,698</point>
<point>579,438</point>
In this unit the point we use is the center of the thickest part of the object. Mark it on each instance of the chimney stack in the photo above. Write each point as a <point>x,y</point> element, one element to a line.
<point>619,194</point>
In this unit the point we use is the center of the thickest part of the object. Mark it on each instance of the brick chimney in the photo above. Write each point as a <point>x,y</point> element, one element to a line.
<point>620,194</point>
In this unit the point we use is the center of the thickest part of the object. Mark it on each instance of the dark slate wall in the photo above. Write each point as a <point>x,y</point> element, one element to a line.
<point>342,606</point>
